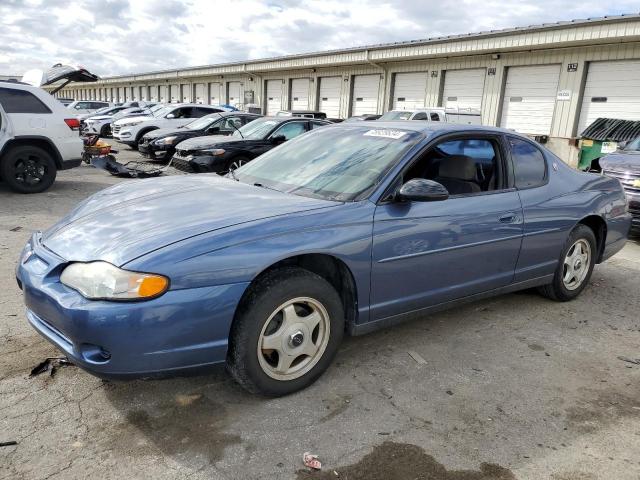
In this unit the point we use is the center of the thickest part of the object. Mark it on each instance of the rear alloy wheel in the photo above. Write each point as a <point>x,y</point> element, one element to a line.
<point>575,266</point>
<point>28,169</point>
<point>286,332</point>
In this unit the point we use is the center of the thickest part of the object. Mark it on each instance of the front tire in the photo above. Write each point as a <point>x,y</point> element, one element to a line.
<point>575,266</point>
<point>286,332</point>
<point>28,169</point>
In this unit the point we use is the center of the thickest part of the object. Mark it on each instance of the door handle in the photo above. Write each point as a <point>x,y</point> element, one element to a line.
<point>509,217</point>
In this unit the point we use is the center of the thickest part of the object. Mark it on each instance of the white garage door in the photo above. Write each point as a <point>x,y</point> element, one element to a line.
<point>201,95</point>
<point>174,93</point>
<point>329,103</point>
<point>409,90</point>
<point>365,94</point>
<point>235,94</point>
<point>463,88</point>
<point>215,94</point>
<point>274,96</point>
<point>185,88</point>
<point>164,96</point>
<point>530,99</point>
<point>300,94</point>
<point>612,90</point>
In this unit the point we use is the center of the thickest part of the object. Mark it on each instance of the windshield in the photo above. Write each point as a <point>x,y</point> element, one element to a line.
<point>396,115</point>
<point>256,130</point>
<point>330,163</point>
<point>162,112</point>
<point>634,145</point>
<point>202,123</point>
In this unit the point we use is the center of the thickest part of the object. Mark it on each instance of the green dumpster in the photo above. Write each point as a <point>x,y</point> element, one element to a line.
<point>604,136</point>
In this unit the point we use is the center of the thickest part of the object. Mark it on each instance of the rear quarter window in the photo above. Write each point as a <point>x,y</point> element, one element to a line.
<point>21,101</point>
<point>528,162</point>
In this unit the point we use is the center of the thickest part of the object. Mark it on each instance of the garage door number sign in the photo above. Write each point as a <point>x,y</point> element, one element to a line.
<point>564,95</point>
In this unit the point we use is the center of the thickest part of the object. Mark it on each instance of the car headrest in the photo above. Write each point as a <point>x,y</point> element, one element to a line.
<point>458,166</point>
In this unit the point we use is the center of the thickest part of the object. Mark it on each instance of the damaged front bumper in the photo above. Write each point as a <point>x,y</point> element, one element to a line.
<point>173,333</point>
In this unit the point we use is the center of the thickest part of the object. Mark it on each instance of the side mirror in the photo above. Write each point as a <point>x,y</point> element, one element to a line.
<point>422,190</point>
<point>278,139</point>
<point>213,130</point>
<point>171,115</point>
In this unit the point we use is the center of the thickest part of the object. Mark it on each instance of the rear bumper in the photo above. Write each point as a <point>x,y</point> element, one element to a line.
<point>617,234</point>
<point>181,330</point>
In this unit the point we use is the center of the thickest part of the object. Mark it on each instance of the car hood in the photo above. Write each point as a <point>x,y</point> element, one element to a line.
<point>127,120</point>
<point>132,219</point>
<point>98,117</point>
<point>163,132</point>
<point>622,161</point>
<point>208,141</point>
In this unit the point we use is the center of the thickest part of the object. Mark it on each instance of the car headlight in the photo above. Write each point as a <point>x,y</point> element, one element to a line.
<point>101,280</point>
<point>166,140</point>
<point>215,151</point>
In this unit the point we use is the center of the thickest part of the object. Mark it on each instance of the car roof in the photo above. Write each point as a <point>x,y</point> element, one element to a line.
<point>282,119</point>
<point>425,127</point>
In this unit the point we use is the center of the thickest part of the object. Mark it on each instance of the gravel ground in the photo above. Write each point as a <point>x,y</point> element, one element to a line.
<point>516,387</point>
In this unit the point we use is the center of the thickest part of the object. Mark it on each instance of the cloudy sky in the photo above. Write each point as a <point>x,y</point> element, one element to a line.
<point>112,37</point>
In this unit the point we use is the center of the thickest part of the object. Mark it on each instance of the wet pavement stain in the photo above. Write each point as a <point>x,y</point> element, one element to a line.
<point>191,426</point>
<point>402,461</point>
<point>591,414</point>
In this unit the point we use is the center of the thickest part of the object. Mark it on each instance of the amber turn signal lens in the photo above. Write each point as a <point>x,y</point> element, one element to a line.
<point>150,286</point>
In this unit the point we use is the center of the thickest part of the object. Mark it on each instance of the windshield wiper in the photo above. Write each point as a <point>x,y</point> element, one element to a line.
<point>262,185</point>
<point>237,129</point>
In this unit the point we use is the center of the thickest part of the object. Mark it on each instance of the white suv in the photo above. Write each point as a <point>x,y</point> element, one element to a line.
<point>38,137</point>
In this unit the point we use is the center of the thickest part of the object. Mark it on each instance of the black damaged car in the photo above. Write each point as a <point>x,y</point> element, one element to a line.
<point>160,144</point>
<point>624,165</point>
<point>220,154</point>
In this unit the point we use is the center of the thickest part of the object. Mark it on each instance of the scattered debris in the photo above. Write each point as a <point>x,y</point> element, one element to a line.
<point>311,461</point>
<point>15,229</point>
<point>8,444</point>
<point>630,360</point>
<point>416,356</point>
<point>449,392</point>
<point>50,365</point>
<point>186,400</point>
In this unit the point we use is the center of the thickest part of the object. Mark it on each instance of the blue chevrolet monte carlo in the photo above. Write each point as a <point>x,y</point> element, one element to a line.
<point>349,228</point>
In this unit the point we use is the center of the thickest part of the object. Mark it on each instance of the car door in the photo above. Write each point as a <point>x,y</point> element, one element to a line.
<point>546,224</point>
<point>428,253</point>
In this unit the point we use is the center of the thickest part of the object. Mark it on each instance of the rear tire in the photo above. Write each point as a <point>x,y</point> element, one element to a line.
<point>105,131</point>
<point>28,169</point>
<point>575,266</point>
<point>286,332</point>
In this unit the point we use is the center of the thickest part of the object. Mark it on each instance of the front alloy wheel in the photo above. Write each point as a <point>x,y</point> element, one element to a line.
<point>293,338</point>
<point>286,332</point>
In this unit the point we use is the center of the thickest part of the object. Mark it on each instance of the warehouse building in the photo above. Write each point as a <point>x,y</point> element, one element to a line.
<point>549,81</point>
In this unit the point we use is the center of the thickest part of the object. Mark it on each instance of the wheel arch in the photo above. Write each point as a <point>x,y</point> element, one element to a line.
<point>34,141</point>
<point>599,228</point>
<point>144,131</point>
<point>332,269</point>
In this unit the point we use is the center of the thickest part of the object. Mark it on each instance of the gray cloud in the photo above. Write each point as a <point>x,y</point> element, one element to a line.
<point>113,37</point>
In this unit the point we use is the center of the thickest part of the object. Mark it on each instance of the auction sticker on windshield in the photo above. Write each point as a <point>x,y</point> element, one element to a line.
<point>395,134</point>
